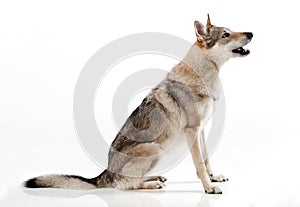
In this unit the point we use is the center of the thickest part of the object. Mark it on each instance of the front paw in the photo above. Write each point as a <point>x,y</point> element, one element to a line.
<point>217,178</point>
<point>213,190</point>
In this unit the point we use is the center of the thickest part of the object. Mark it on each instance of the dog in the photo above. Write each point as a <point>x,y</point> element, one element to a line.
<point>181,103</point>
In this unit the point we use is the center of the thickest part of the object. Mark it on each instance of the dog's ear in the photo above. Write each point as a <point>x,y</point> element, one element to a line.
<point>208,24</point>
<point>200,31</point>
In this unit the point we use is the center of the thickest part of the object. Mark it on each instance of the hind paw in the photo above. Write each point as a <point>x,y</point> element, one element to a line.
<point>152,185</point>
<point>161,179</point>
<point>155,178</point>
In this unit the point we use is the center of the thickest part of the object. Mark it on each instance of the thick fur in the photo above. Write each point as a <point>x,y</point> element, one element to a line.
<point>182,102</point>
<point>69,181</point>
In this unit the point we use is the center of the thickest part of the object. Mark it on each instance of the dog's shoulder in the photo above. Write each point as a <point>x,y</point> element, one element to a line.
<point>186,75</point>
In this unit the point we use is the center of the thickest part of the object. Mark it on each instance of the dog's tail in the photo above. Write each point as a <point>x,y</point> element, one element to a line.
<point>70,181</point>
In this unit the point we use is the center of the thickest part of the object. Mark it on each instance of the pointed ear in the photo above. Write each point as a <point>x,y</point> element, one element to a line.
<point>200,31</point>
<point>208,24</point>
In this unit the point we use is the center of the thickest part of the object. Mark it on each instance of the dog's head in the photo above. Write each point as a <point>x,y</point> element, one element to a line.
<point>222,40</point>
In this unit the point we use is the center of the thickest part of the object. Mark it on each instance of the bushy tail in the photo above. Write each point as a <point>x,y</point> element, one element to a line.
<point>70,181</point>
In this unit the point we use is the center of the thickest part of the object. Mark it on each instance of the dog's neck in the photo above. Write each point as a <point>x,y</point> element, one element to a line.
<point>206,66</point>
<point>202,59</point>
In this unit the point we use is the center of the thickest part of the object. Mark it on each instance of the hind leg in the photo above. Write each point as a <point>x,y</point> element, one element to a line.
<point>142,160</point>
<point>132,183</point>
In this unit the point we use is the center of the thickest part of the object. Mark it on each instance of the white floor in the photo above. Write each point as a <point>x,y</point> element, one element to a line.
<point>188,193</point>
<point>245,187</point>
<point>175,194</point>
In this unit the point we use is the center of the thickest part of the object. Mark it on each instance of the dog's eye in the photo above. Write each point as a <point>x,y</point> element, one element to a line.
<point>226,35</point>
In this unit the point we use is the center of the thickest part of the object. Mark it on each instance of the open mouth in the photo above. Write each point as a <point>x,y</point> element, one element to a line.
<point>241,51</point>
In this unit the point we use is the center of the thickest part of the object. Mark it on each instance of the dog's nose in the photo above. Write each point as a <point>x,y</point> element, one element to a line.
<point>249,35</point>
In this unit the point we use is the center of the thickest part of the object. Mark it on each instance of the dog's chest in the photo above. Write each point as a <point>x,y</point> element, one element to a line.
<point>206,110</point>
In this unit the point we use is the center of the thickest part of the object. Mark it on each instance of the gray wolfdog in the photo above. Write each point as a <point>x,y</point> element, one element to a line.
<point>181,103</point>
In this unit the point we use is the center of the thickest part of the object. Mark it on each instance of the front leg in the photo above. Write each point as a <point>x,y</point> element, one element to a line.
<point>193,141</point>
<point>213,178</point>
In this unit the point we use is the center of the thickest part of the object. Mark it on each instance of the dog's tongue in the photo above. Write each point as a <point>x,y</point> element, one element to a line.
<point>240,49</point>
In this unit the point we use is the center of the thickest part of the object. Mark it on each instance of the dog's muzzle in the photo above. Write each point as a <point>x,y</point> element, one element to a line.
<point>249,35</point>
<point>241,50</point>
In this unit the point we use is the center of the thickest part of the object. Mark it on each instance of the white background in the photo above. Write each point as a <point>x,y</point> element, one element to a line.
<point>44,46</point>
